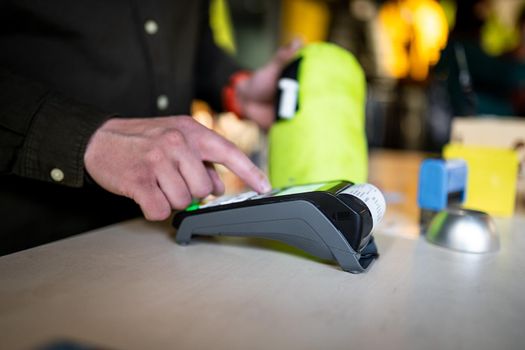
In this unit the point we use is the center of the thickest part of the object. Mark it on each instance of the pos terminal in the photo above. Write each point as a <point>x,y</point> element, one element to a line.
<point>332,220</point>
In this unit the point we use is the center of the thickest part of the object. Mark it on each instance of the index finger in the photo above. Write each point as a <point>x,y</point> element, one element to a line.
<point>217,149</point>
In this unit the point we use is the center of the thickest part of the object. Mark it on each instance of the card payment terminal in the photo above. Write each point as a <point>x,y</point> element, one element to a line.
<point>332,220</point>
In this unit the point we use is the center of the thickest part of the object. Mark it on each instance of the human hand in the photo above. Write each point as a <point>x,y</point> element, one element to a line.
<point>256,95</point>
<point>161,163</point>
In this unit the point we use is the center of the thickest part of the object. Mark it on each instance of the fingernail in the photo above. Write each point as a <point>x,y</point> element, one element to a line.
<point>265,186</point>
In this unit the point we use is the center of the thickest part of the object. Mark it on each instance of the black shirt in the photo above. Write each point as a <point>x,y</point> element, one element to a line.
<point>65,68</point>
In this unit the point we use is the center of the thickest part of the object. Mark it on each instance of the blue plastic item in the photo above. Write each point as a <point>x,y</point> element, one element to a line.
<point>440,182</point>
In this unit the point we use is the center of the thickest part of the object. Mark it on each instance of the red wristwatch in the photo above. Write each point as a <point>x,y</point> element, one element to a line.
<point>229,97</point>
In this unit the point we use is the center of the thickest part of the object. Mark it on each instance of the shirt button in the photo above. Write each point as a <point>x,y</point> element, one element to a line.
<point>162,102</point>
<point>57,175</point>
<point>151,27</point>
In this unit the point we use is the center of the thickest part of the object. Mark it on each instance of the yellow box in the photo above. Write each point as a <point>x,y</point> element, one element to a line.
<point>492,177</point>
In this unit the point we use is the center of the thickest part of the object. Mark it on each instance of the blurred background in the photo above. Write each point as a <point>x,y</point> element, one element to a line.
<point>426,61</point>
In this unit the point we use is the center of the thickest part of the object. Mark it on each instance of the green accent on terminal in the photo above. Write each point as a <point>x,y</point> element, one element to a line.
<point>193,206</point>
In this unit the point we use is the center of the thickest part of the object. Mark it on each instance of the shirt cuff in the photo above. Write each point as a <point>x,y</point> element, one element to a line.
<point>54,148</point>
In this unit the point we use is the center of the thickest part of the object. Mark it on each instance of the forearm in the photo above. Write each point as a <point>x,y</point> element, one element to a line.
<point>41,131</point>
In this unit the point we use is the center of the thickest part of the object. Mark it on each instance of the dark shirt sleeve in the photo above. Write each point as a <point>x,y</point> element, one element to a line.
<point>213,67</point>
<point>41,130</point>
